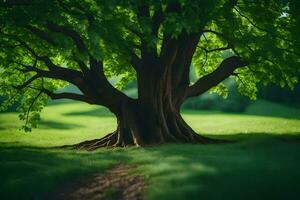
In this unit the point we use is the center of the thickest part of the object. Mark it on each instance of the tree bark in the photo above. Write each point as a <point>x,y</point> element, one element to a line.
<point>154,118</point>
<point>141,126</point>
<point>163,85</point>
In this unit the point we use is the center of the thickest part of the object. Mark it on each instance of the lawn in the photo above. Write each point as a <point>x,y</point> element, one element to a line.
<point>263,163</point>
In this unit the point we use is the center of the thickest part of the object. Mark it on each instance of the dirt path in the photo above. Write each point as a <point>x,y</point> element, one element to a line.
<point>116,183</point>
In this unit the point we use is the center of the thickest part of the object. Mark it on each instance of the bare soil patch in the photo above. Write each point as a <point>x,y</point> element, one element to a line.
<point>116,183</point>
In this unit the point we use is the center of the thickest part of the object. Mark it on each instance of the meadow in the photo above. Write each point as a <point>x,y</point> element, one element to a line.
<point>262,163</point>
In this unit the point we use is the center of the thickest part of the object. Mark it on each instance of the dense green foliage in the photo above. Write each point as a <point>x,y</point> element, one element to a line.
<point>66,33</point>
<point>266,156</point>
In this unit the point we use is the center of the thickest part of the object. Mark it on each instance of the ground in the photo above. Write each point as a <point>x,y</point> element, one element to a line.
<point>118,182</point>
<point>263,163</point>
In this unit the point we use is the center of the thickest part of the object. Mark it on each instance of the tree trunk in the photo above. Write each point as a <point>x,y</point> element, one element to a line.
<point>139,127</point>
<point>154,118</point>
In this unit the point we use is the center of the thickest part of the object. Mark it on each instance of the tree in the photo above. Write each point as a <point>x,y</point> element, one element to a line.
<point>46,45</point>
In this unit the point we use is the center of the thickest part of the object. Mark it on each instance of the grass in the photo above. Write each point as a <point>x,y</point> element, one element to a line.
<point>263,164</point>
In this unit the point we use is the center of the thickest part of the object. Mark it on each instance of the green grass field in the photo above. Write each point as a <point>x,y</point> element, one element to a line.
<point>263,163</point>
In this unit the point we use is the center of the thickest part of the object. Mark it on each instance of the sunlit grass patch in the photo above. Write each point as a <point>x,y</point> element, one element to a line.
<point>263,163</point>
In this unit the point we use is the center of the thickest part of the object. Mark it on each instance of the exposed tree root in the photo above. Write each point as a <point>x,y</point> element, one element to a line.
<point>145,131</point>
<point>111,141</point>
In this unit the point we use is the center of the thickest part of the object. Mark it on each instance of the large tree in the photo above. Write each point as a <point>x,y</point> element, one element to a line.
<point>46,45</point>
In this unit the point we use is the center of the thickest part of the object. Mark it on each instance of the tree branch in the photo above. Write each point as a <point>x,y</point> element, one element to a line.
<point>224,70</point>
<point>31,105</point>
<point>27,68</point>
<point>263,29</point>
<point>26,83</point>
<point>97,67</point>
<point>67,9</point>
<point>22,43</point>
<point>94,84</point>
<point>187,44</point>
<point>82,66</point>
<point>41,34</point>
<point>67,95</point>
<point>45,36</point>
<point>214,32</point>
<point>135,61</point>
<point>55,72</point>
<point>70,33</point>
<point>80,11</point>
<point>58,71</point>
<point>157,19</point>
<point>216,49</point>
<point>134,31</point>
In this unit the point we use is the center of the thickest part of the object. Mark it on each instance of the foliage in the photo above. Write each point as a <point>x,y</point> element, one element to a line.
<point>43,37</point>
<point>232,100</point>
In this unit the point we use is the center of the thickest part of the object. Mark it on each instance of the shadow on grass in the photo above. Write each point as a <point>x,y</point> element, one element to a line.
<point>35,172</point>
<point>5,127</point>
<point>98,112</point>
<point>50,124</point>
<point>257,166</point>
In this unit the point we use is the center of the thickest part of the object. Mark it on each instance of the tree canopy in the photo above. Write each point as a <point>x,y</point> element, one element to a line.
<point>46,45</point>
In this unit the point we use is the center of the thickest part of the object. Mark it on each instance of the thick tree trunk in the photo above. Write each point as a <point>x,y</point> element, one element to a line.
<point>140,127</point>
<point>154,118</point>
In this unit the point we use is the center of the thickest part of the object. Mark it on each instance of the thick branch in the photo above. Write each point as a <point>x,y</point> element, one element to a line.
<point>168,52</point>
<point>67,95</point>
<point>135,61</point>
<point>182,63</point>
<point>59,75</point>
<point>92,83</point>
<point>68,32</point>
<point>41,34</point>
<point>147,53</point>
<point>67,9</point>
<point>80,11</point>
<point>82,66</point>
<point>97,67</point>
<point>55,70</point>
<point>225,69</point>
<point>22,43</point>
<point>157,19</point>
<point>27,68</point>
<point>45,36</point>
